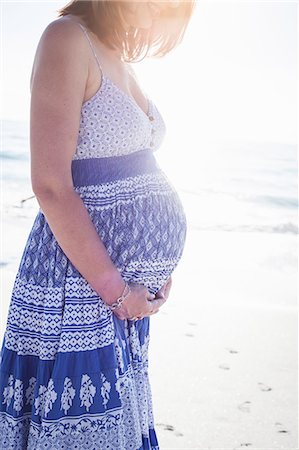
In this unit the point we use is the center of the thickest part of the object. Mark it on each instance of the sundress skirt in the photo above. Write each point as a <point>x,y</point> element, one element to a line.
<point>73,375</point>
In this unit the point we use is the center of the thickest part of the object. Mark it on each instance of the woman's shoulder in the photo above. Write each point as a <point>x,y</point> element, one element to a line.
<point>61,38</point>
<point>64,34</point>
<point>63,28</point>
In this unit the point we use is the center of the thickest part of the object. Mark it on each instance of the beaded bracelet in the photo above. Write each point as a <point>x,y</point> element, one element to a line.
<point>117,304</point>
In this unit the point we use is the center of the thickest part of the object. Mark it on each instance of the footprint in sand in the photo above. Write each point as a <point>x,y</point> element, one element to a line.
<point>177,433</point>
<point>244,406</point>
<point>281,428</point>
<point>264,387</point>
<point>231,350</point>
<point>170,428</point>
<point>243,444</point>
<point>3,263</point>
<point>224,366</point>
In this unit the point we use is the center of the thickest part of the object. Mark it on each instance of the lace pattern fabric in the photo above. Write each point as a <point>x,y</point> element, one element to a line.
<point>111,124</point>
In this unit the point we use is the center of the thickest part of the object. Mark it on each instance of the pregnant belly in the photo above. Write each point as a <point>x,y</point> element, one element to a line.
<point>140,218</point>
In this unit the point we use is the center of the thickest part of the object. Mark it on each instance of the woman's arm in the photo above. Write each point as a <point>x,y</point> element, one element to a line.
<point>58,83</point>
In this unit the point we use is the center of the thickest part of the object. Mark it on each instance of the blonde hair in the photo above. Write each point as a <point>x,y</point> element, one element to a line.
<point>106,20</point>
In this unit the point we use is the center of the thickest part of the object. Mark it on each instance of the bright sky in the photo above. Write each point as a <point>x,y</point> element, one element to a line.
<point>233,77</point>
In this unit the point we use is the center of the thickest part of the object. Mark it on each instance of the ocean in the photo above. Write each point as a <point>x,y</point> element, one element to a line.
<point>247,187</point>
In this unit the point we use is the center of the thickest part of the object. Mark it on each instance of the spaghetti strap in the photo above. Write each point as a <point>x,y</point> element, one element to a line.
<point>91,46</point>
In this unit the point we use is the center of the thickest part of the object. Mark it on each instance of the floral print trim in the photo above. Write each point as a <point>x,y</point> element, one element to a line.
<point>30,391</point>
<point>8,391</point>
<point>128,422</point>
<point>105,389</point>
<point>87,391</point>
<point>47,395</point>
<point>18,395</point>
<point>67,395</point>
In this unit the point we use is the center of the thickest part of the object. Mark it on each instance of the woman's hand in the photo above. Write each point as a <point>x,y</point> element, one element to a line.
<point>139,303</point>
<point>165,289</point>
<point>161,296</point>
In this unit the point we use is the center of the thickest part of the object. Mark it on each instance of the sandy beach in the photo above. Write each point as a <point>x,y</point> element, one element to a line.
<point>224,346</point>
<point>223,350</point>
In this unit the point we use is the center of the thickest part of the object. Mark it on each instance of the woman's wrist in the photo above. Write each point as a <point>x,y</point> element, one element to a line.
<point>111,286</point>
<point>119,301</point>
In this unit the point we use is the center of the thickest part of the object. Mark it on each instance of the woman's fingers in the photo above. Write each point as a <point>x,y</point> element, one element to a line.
<point>155,304</point>
<point>160,294</point>
<point>164,290</point>
<point>167,287</point>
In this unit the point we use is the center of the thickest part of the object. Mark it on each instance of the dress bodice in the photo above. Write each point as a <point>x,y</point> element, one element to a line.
<point>113,124</point>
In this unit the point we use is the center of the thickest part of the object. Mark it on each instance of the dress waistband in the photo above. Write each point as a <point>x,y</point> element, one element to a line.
<point>89,171</point>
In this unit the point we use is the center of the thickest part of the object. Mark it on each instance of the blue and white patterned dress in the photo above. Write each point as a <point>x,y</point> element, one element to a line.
<point>73,375</point>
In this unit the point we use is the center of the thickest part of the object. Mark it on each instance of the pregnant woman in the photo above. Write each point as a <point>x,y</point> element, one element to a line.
<point>109,232</point>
